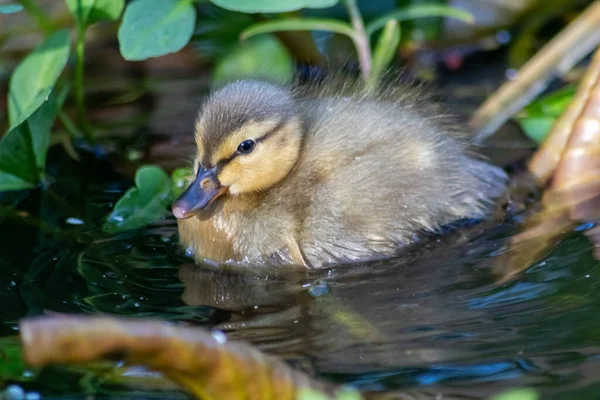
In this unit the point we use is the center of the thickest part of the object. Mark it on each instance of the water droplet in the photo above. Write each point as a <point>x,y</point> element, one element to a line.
<point>32,396</point>
<point>14,392</point>
<point>319,288</point>
<point>189,252</point>
<point>502,37</point>
<point>219,337</point>
<point>74,221</point>
<point>511,74</point>
<point>13,283</point>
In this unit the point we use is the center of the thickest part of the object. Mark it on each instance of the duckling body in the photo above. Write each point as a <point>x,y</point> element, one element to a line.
<point>332,176</point>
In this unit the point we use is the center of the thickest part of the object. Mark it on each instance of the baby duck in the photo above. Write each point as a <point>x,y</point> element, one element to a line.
<point>316,176</point>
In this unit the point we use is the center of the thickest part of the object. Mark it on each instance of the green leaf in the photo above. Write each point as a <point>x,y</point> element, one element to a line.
<point>88,12</point>
<point>40,125</point>
<point>12,366</point>
<point>80,9</point>
<point>517,394</point>
<point>106,10</point>
<point>23,149</point>
<point>418,11</point>
<point>10,8</point>
<point>259,57</point>
<point>537,128</point>
<point>33,79</point>
<point>270,6</point>
<point>180,180</point>
<point>311,394</point>
<point>299,24</point>
<point>153,28</point>
<point>384,52</point>
<point>553,104</point>
<point>537,119</point>
<point>216,33</point>
<point>143,204</point>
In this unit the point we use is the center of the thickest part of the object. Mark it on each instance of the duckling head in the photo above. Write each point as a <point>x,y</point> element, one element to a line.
<point>248,137</point>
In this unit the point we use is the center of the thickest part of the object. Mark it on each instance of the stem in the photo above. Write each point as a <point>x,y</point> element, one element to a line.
<point>79,93</point>
<point>38,14</point>
<point>360,38</point>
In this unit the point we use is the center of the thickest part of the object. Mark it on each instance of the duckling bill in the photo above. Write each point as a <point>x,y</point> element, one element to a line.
<point>318,176</point>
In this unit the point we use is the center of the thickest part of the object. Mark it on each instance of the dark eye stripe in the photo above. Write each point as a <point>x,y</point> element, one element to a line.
<point>222,163</point>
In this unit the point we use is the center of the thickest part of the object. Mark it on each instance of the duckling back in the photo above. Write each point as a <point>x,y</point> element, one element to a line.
<point>378,171</point>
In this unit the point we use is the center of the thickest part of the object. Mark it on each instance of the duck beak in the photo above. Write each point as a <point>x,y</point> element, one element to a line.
<point>203,191</point>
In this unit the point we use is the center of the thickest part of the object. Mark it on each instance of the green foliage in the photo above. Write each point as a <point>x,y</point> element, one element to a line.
<point>418,11</point>
<point>10,8</point>
<point>270,6</point>
<point>23,149</point>
<point>299,24</point>
<point>88,12</point>
<point>143,204</point>
<point>248,60</point>
<point>345,393</point>
<point>35,77</point>
<point>384,52</point>
<point>517,394</point>
<point>12,366</point>
<point>180,179</point>
<point>537,118</point>
<point>153,28</point>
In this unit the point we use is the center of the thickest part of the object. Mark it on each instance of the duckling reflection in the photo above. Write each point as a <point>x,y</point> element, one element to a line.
<point>374,316</point>
<point>325,174</point>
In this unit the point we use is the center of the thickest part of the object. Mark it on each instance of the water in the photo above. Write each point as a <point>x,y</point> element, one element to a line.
<point>430,322</point>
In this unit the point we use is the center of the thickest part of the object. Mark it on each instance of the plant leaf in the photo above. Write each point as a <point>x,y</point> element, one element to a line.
<point>10,8</point>
<point>153,28</point>
<point>88,12</point>
<point>418,11</point>
<point>23,149</point>
<point>270,6</point>
<point>141,205</point>
<point>537,119</point>
<point>258,57</point>
<point>384,52</point>
<point>517,394</point>
<point>40,125</point>
<point>106,10</point>
<point>80,9</point>
<point>180,180</point>
<point>33,79</point>
<point>299,24</point>
<point>12,366</point>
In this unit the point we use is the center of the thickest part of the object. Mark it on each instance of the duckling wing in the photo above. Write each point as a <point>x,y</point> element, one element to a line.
<point>378,175</point>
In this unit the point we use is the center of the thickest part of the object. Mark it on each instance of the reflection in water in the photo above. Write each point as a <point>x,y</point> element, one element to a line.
<point>429,322</point>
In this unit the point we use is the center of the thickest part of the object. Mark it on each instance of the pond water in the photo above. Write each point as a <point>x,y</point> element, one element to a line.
<point>432,324</point>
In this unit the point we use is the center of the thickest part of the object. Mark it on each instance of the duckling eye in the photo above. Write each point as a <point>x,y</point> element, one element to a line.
<point>246,146</point>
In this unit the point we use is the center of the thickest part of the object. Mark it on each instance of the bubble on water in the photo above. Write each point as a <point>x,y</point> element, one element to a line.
<point>14,392</point>
<point>319,288</point>
<point>219,337</point>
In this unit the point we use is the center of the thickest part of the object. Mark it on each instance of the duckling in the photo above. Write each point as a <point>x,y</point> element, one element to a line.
<point>315,175</point>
